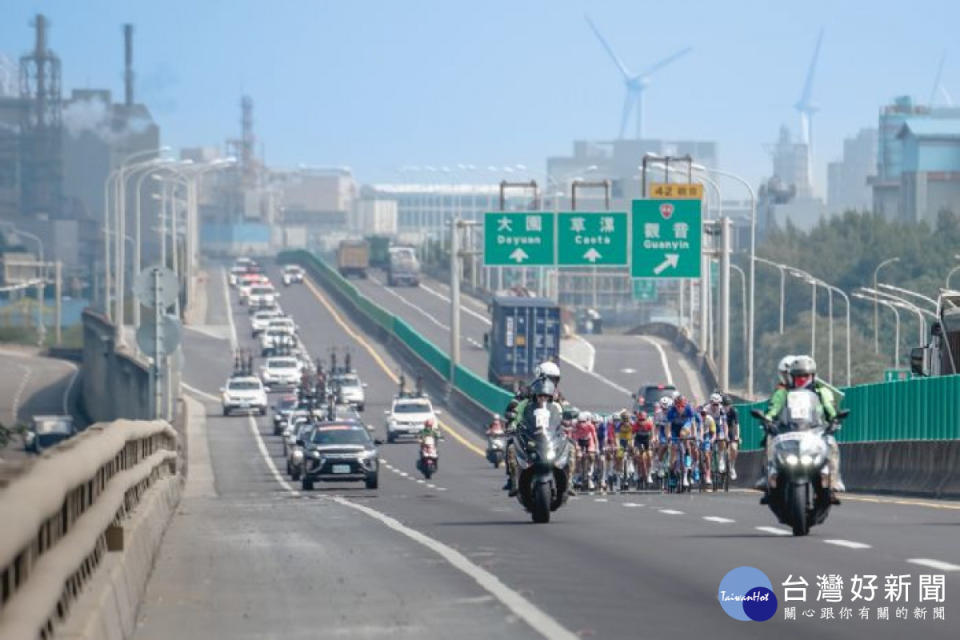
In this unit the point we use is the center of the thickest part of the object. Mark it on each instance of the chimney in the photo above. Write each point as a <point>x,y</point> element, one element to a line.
<point>128,63</point>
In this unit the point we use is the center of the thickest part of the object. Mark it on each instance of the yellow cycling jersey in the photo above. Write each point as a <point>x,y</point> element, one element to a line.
<point>709,426</point>
<point>625,431</point>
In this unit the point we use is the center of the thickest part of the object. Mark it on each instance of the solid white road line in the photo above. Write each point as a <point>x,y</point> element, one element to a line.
<point>774,530</point>
<point>229,307</point>
<point>410,304</point>
<point>520,606</point>
<point>15,407</point>
<point>850,544</point>
<point>663,357</point>
<point>266,456</point>
<point>671,512</point>
<point>591,348</point>
<point>198,392</point>
<point>939,565</point>
<point>718,519</point>
<point>66,392</point>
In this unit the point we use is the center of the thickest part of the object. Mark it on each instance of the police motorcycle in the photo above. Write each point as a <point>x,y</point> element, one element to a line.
<point>798,473</point>
<point>543,455</point>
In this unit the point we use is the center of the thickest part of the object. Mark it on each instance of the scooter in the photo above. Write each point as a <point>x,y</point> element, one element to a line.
<point>496,447</point>
<point>427,462</point>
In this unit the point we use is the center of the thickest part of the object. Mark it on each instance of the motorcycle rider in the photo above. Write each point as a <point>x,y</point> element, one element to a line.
<point>429,429</point>
<point>543,388</point>
<point>783,380</point>
<point>803,375</point>
<point>496,426</point>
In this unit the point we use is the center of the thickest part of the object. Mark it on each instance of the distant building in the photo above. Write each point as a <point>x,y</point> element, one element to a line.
<point>374,216</point>
<point>847,187</point>
<point>886,184</point>
<point>790,164</point>
<point>930,168</point>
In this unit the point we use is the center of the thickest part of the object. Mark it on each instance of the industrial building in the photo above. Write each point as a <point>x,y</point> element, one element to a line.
<point>918,161</point>
<point>847,179</point>
<point>56,152</point>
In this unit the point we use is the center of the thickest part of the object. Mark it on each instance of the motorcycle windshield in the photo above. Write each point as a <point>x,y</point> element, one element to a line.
<point>801,412</point>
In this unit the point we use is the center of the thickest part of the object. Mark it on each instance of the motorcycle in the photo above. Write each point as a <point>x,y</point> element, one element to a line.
<point>496,447</point>
<point>798,473</point>
<point>427,462</point>
<point>543,463</point>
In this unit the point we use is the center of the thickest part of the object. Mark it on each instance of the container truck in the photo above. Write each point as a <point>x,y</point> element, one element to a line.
<point>353,256</point>
<point>524,332</point>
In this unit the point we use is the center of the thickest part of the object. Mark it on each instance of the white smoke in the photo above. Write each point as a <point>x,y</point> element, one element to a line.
<point>94,115</point>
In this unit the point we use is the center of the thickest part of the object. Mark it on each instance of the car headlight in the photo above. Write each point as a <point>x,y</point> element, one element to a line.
<point>791,459</point>
<point>315,455</point>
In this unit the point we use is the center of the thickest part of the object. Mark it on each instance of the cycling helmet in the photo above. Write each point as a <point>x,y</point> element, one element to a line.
<point>585,416</point>
<point>727,400</point>
<point>624,414</point>
<point>642,415</point>
<point>783,369</point>
<point>665,402</point>
<point>803,371</point>
<point>571,413</point>
<point>716,398</point>
<point>548,370</point>
<point>496,416</point>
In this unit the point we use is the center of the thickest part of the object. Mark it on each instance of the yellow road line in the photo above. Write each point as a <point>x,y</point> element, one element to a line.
<point>383,365</point>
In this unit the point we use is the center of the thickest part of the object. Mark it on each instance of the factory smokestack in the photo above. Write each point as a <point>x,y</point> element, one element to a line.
<point>128,64</point>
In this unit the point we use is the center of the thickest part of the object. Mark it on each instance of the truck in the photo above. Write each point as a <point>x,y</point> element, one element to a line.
<point>524,332</point>
<point>941,355</point>
<point>403,267</point>
<point>353,256</point>
<point>379,251</point>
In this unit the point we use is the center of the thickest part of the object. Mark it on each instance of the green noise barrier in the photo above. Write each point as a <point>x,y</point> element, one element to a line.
<point>916,409</point>
<point>489,396</point>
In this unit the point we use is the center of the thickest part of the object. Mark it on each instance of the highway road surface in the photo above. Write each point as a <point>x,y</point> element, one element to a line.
<point>30,385</point>
<point>253,556</point>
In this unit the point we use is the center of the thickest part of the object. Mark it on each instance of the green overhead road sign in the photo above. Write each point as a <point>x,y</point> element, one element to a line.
<point>592,238</point>
<point>665,239</point>
<point>644,290</point>
<point>518,239</point>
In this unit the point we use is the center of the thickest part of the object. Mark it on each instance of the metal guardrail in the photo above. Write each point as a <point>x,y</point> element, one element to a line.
<point>67,511</point>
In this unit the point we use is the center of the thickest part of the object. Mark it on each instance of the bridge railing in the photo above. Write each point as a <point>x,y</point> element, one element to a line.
<point>62,515</point>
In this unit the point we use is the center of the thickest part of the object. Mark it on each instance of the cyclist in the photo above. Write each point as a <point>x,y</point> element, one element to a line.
<point>585,437</point>
<point>625,430</point>
<point>708,434</point>
<point>660,422</point>
<point>681,419</point>
<point>733,435</point>
<point>718,412</point>
<point>642,432</point>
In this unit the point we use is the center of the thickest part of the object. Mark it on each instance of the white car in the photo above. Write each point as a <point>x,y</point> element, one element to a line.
<point>279,372</point>
<point>247,282</point>
<point>292,274</point>
<point>262,295</point>
<point>234,276</point>
<point>285,323</point>
<point>243,393</point>
<point>274,340</point>
<point>260,320</point>
<point>349,390</point>
<point>407,415</point>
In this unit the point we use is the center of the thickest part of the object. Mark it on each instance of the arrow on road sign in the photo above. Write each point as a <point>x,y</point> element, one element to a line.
<point>519,255</point>
<point>671,261</point>
<point>592,255</point>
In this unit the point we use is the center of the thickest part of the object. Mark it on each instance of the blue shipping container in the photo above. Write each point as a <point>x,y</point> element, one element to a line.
<point>524,333</point>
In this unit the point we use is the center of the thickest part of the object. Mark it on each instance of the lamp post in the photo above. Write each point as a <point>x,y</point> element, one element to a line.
<point>896,313</point>
<point>951,272</point>
<point>809,279</point>
<point>782,268</point>
<point>908,292</point>
<point>876,312</point>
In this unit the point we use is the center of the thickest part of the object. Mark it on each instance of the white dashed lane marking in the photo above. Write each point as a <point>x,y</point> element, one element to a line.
<point>934,564</point>
<point>850,544</point>
<point>719,519</point>
<point>671,512</point>
<point>774,530</point>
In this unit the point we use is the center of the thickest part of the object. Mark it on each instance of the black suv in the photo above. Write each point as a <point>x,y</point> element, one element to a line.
<point>339,451</point>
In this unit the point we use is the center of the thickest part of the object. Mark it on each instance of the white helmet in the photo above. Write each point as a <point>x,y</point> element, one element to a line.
<point>783,369</point>
<point>716,398</point>
<point>585,416</point>
<point>666,402</point>
<point>549,370</point>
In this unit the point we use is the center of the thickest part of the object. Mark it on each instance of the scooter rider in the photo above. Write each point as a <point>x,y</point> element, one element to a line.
<point>543,390</point>
<point>496,426</point>
<point>803,375</point>
<point>783,379</point>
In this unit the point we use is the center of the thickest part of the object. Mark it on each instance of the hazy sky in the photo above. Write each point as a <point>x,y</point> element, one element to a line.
<point>377,85</point>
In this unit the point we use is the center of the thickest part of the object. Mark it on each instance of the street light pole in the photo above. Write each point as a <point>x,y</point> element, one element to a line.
<point>782,268</point>
<point>876,313</point>
<point>896,314</point>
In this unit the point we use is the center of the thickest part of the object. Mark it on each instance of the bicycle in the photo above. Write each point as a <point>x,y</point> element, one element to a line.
<point>721,475</point>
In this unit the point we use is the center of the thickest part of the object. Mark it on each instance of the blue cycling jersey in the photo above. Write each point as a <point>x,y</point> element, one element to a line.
<point>680,419</point>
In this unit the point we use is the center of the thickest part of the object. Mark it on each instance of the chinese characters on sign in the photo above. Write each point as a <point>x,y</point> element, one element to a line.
<point>592,238</point>
<point>676,190</point>
<point>890,597</point>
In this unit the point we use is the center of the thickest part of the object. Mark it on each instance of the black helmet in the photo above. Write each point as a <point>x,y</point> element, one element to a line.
<point>543,387</point>
<point>571,413</point>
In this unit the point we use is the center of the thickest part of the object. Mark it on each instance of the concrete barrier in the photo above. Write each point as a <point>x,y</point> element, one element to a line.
<point>96,502</point>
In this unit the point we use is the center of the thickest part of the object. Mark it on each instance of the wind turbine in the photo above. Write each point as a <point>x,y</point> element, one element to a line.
<point>806,107</point>
<point>939,88</point>
<point>635,83</point>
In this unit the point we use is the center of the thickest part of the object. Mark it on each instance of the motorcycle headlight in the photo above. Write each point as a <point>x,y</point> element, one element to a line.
<point>806,460</point>
<point>315,455</point>
<point>297,455</point>
<point>791,459</point>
